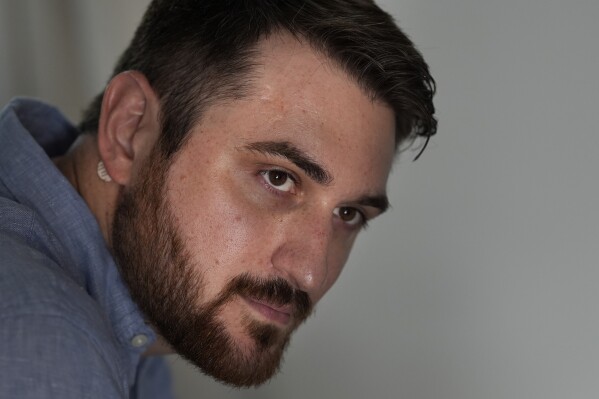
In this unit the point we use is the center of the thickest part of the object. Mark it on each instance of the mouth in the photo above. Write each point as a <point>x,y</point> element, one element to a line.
<point>279,314</point>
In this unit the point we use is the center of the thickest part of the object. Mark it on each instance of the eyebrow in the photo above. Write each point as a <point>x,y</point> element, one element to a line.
<point>316,172</point>
<point>299,158</point>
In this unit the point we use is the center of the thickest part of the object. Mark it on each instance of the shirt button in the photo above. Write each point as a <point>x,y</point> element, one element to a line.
<point>139,340</point>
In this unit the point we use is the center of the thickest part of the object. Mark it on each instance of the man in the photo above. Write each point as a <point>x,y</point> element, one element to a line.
<point>209,199</point>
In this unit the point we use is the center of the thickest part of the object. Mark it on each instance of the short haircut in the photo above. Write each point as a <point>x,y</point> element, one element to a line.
<point>197,52</point>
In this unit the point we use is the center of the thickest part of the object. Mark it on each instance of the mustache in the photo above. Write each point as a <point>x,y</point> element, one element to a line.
<point>275,290</point>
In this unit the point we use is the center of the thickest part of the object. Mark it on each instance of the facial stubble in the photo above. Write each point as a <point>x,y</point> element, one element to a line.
<point>166,285</point>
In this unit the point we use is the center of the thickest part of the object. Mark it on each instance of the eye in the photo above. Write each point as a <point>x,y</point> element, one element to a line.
<point>279,180</point>
<point>350,216</point>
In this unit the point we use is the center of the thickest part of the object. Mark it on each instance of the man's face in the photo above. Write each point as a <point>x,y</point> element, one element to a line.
<point>227,247</point>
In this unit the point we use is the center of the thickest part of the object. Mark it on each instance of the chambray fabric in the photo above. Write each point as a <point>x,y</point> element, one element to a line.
<point>68,327</point>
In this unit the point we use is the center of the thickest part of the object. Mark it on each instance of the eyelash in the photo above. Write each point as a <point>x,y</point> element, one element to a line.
<point>271,187</point>
<point>362,224</point>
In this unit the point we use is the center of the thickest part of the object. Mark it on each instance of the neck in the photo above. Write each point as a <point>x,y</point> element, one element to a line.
<point>79,165</point>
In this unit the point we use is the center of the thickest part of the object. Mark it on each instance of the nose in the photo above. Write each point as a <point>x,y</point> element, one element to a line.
<point>303,253</point>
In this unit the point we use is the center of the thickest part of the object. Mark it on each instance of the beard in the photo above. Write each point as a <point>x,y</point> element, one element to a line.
<point>167,286</point>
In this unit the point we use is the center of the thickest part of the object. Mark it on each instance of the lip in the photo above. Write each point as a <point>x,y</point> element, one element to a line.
<point>275,313</point>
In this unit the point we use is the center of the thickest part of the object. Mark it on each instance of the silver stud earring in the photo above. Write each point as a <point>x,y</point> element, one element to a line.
<point>102,173</point>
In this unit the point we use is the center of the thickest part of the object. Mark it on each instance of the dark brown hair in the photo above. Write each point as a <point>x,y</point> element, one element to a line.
<point>197,52</point>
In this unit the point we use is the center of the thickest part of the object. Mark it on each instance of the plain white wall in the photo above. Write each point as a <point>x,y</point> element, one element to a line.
<point>482,282</point>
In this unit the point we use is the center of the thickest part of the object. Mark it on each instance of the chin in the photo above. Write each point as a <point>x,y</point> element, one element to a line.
<point>240,352</point>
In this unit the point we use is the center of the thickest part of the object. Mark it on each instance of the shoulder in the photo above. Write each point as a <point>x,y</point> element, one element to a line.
<point>51,356</point>
<point>35,275</point>
<point>54,340</point>
<point>35,271</point>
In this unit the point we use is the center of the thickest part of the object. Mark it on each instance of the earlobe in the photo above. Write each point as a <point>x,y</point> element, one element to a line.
<point>128,124</point>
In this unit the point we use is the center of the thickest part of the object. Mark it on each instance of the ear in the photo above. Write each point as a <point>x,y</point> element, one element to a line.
<point>128,125</point>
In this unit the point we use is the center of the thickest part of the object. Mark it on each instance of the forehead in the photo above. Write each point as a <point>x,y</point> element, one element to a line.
<point>296,78</point>
<point>299,95</point>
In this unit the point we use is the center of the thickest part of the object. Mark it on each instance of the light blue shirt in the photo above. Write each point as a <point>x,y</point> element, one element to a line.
<point>68,327</point>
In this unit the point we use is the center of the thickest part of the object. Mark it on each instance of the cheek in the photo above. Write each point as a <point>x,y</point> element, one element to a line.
<point>220,232</point>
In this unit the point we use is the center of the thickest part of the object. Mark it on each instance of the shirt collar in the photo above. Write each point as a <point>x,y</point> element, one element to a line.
<point>31,133</point>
